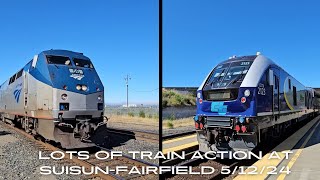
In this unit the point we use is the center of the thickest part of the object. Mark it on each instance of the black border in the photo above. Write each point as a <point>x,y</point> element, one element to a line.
<point>160,79</point>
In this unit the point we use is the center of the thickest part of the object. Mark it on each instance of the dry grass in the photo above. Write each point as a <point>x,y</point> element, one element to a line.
<point>133,120</point>
<point>184,122</point>
<point>172,98</point>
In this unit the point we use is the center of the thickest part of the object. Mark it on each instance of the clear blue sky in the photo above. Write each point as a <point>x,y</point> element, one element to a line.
<point>120,37</point>
<point>200,34</point>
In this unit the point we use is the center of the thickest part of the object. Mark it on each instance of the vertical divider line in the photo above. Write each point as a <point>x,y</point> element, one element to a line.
<point>160,79</point>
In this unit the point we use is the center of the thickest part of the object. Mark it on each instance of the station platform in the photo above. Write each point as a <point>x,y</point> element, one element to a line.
<point>179,144</point>
<point>303,162</point>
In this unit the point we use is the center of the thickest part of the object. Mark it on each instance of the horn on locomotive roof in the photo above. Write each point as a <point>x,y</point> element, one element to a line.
<point>231,57</point>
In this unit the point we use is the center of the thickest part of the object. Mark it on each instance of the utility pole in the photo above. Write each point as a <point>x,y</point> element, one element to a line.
<point>127,83</point>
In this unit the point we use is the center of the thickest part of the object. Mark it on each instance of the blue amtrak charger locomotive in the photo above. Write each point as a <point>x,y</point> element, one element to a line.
<point>57,95</point>
<point>247,99</point>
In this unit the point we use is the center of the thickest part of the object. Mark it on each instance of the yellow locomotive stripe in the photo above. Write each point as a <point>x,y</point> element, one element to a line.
<point>297,154</point>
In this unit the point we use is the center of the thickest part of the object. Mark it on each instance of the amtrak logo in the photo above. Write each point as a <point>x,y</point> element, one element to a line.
<point>17,92</point>
<point>76,74</point>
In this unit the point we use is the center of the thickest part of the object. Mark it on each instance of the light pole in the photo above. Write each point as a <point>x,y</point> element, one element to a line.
<point>127,83</point>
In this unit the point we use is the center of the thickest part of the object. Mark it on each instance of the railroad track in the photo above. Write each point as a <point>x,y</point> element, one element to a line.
<point>124,160</point>
<point>139,135</point>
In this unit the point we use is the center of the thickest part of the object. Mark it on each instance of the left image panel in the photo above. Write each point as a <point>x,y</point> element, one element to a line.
<point>79,89</point>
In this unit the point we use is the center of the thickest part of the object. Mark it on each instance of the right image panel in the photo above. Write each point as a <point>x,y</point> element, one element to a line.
<point>240,95</point>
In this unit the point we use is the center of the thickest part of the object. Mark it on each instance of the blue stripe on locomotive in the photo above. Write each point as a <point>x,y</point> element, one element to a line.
<point>58,76</point>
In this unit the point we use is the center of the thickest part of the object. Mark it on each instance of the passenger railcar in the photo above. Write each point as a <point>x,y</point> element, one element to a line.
<point>247,99</point>
<point>57,95</point>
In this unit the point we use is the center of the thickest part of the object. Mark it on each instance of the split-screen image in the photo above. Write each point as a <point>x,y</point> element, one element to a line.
<point>159,89</point>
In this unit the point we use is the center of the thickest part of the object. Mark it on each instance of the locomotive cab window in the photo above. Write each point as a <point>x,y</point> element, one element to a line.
<point>12,79</point>
<point>19,74</point>
<point>228,74</point>
<point>82,63</point>
<point>61,60</point>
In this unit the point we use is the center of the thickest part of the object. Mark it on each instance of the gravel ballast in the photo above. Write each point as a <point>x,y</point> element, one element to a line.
<point>19,157</point>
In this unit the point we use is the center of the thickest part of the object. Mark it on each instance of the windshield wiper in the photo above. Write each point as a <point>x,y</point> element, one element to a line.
<point>237,79</point>
<point>217,78</point>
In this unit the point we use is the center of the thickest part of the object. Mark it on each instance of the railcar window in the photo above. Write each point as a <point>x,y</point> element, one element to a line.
<point>290,84</point>
<point>294,95</point>
<point>306,98</point>
<point>62,60</point>
<point>82,63</point>
<point>275,81</point>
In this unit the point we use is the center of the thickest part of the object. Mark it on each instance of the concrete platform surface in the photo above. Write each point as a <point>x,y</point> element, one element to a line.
<point>304,163</point>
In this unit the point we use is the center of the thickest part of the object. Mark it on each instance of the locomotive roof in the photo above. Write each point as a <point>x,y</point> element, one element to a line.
<point>64,53</point>
<point>240,58</point>
<point>259,65</point>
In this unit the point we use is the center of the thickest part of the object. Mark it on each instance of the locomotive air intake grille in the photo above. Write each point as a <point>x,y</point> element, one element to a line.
<point>218,121</point>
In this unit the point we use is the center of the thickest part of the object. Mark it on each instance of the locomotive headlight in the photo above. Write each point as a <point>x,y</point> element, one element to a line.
<point>78,87</point>
<point>99,98</point>
<point>199,95</point>
<point>84,88</point>
<point>247,93</point>
<point>64,97</point>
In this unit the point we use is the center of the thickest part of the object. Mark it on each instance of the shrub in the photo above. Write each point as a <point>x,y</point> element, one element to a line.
<point>150,116</point>
<point>156,116</point>
<point>142,114</point>
<point>170,124</point>
<point>130,114</point>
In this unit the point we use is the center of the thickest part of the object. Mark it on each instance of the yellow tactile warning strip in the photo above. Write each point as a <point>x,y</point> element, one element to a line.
<point>179,148</point>
<point>286,145</point>
<point>297,154</point>
<point>179,139</point>
<point>179,144</point>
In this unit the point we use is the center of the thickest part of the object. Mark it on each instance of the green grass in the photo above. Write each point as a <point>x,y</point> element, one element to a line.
<point>170,124</point>
<point>142,114</point>
<point>171,98</point>
<point>130,114</point>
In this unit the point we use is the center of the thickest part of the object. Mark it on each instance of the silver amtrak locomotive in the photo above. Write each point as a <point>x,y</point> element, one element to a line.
<point>57,95</point>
